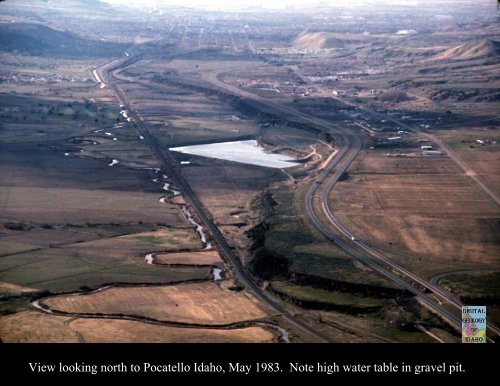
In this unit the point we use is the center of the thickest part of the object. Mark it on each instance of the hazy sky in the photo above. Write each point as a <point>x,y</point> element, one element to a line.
<point>273,4</point>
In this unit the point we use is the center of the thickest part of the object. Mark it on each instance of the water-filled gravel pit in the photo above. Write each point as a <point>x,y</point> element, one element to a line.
<point>247,152</point>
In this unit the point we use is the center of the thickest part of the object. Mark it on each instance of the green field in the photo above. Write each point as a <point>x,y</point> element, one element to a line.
<point>322,296</point>
<point>108,260</point>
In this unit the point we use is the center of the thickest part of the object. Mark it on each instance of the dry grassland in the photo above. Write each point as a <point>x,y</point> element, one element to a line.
<point>421,207</point>
<point>201,258</point>
<point>37,327</point>
<point>178,116</point>
<point>198,303</point>
<point>165,239</point>
<point>230,188</point>
<point>14,288</point>
<point>97,262</point>
<point>483,159</point>
<point>83,205</point>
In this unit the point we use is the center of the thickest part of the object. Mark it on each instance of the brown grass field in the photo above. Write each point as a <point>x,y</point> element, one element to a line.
<point>228,193</point>
<point>230,187</point>
<point>20,327</point>
<point>66,205</point>
<point>417,208</point>
<point>484,159</point>
<point>110,258</point>
<point>178,116</point>
<point>106,260</point>
<point>47,236</point>
<point>201,303</point>
<point>14,288</point>
<point>70,223</point>
<point>41,185</point>
<point>202,258</point>
<point>165,239</point>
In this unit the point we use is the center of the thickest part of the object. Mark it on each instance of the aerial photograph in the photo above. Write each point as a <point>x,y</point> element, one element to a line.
<point>249,171</point>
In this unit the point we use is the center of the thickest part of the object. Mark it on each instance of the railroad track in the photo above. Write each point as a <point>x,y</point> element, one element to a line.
<point>352,245</point>
<point>168,162</point>
<point>393,271</point>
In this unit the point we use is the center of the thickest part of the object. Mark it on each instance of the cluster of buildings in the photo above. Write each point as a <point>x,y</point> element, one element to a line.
<point>40,78</point>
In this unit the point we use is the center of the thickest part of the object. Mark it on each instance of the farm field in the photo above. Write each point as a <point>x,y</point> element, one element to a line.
<point>196,258</point>
<point>196,303</point>
<point>415,209</point>
<point>18,328</point>
<point>118,224</point>
<point>479,148</point>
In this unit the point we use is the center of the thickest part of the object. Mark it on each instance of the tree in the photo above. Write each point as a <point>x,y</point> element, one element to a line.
<point>344,176</point>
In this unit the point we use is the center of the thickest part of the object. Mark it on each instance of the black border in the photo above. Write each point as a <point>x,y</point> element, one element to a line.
<point>478,360</point>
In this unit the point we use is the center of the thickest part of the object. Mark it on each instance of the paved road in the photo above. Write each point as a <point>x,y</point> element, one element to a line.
<point>329,177</point>
<point>444,146</point>
<point>168,161</point>
<point>429,286</point>
<point>353,141</point>
<point>432,287</point>
<point>346,155</point>
<point>461,163</point>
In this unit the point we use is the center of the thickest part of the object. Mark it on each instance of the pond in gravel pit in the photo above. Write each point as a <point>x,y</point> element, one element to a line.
<point>247,152</point>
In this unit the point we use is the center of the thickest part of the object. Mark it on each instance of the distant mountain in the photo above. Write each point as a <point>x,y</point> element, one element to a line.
<point>40,40</point>
<point>313,40</point>
<point>472,50</point>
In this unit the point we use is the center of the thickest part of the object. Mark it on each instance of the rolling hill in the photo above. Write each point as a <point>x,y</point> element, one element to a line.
<point>471,50</point>
<point>37,39</point>
<point>315,40</point>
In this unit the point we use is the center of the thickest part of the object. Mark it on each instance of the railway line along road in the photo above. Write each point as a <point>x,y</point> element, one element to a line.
<point>168,162</point>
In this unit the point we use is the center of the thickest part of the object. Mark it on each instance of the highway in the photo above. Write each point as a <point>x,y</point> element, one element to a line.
<point>352,146</point>
<point>432,287</point>
<point>450,153</point>
<point>326,181</point>
<point>442,144</point>
<point>168,162</point>
<point>429,286</point>
<point>329,177</point>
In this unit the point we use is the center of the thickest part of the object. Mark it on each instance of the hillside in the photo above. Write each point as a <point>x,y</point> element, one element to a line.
<point>37,39</point>
<point>315,40</point>
<point>472,50</point>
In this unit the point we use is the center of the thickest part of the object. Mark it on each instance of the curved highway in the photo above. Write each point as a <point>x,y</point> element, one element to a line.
<point>326,181</point>
<point>329,177</point>
<point>432,285</point>
<point>352,146</point>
